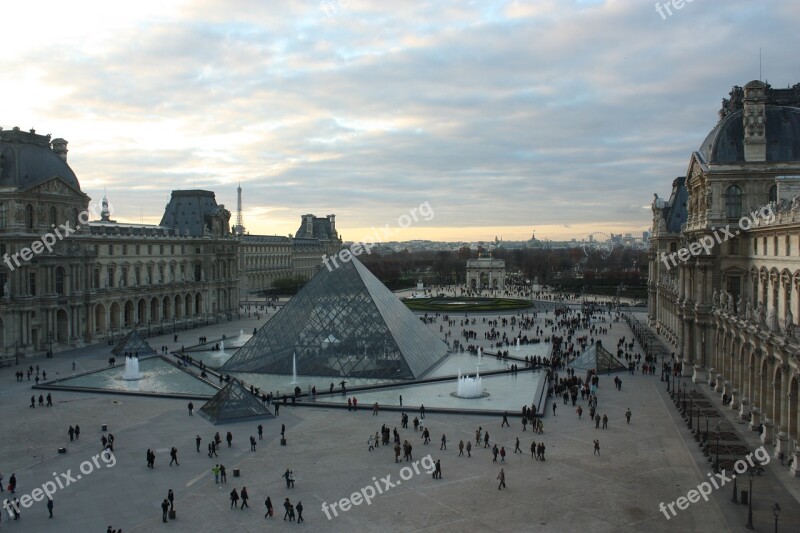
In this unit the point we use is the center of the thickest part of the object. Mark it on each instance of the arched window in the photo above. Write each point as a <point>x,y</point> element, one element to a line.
<point>52,216</point>
<point>3,214</point>
<point>60,280</point>
<point>773,193</point>
<point>29,216</point>
<point>733,201</point>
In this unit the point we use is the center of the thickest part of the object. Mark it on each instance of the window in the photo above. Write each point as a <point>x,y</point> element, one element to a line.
<point>60,280</point>
<point>124,249</point>
<point>733,201</point>
<point>773,193</point>
<point>183,249</point>
<point>110,249</point>
<point>775,245</point>
<point>32,283</point>
<point>161,249</point>
<point>123,280</point>
<point>29,216</point>
<point>110,281</point>
<point>733,247</point>
<point>755,246</point>
<point>149,249</point>
<point>3,215</point>
<point>673,247</point>
<point>96,278</point>
<point>172,249</point>
<point>788,245</point>
<point>52,217</point>
<point>138,274</point>
<point>764,246</point>
<point>137,249</point>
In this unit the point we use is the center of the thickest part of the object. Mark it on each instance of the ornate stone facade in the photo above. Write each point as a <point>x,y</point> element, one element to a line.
<point>486,273</point>
<point>729,308</point>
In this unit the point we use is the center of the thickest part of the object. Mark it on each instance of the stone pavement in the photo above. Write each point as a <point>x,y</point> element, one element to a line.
<point>649,461</point>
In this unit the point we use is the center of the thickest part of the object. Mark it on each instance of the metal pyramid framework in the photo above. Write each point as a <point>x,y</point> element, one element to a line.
<point>234,403</point>
<point>597,358</point>
<point>343,323</point>
<point>133,343</point>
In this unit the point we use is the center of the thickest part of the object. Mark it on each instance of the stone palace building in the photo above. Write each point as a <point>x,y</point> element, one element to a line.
<point>69,277</point>
<point>724,281</point>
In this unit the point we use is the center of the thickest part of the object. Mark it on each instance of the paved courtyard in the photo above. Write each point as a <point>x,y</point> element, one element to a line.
<point>651,460</point>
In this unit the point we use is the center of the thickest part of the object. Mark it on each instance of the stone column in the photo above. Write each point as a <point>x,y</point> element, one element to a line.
<point>700,360</point>
<point>782,442</point>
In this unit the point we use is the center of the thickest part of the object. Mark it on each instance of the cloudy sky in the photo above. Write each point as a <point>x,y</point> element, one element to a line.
<point>505,116</point>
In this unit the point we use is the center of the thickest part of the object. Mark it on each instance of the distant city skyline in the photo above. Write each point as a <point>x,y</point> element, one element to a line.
<point>506,116</point>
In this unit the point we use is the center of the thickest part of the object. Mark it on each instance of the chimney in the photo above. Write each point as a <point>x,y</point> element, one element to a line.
<point>332,221</point>
<point>755,142</point>
<point>60,148</point>
<point>309,225</point>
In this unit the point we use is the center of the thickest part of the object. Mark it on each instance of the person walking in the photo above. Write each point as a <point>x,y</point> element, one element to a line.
<point>628,415</point>
<point>299,508</point>
<point>605,421</point>
<point>596,447</point>
<point>215,471</point>
<point>268,505</point>
<point>223,476</point>
<point>286,477</point>
<point>437,473</point>
<point>579,410</point>
<point>260,432</point>
<point>502,477</point>
<point>554,408</point>
<point>244,497</point>
<point>422,412</point>
<point>533,449</point>
<point>597,421</point>
<point>49,400</point>
<point>469,449</point>
<point>495,451</point>
<point>71,433</point>
<point>502,454</point>
<point>12,483</point>
<point>444,443</point>
<point>234,498</point>
<point>505,419</point>
<point>50,506</point>
<point>173,453</point>
<point>229,438</point>
<point>516,447</point>
<point>286,505</point>
<point>252,443</point>
<point>171,499</point>
<point>77,432</point>
<point>460,448</point>
<point>197,440</point>
<point>191,408</point>
<point>486,439</point>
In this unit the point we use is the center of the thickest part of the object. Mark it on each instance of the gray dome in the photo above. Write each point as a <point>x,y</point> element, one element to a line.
<point>725,143</point>
<point>27,159</point>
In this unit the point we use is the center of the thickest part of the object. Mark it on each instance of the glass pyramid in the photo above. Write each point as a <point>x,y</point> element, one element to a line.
<point>597,358</point>
<point>343,323</point>
<point>234,403</point>
<point>133,343</point>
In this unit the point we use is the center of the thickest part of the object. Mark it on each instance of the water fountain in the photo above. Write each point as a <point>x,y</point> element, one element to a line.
<point>480,356</point>
<point>517,343</point>
<point>294,368</point>
<point>132,369</point>
<point>469,387</point>
<point>222,347</point>
<point>241,333</point>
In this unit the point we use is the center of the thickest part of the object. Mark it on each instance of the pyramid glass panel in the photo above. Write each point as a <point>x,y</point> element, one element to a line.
<point>345,323</point>
<point>597,358</point>
<point>234,403</point>
<point>133,343</point>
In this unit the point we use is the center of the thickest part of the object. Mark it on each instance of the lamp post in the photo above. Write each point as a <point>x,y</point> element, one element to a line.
<point>50,338</point>
<point>716,462</point>
<point>750,475</point>
<point>735,498</point>
<point>776,510</point>
<point>697,428</point>
<point>691,416</point>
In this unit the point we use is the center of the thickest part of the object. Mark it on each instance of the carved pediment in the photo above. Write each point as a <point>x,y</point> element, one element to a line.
<point>55,186</point>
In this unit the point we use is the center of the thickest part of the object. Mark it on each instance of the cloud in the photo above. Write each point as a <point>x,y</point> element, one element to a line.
<point>502,114</point>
